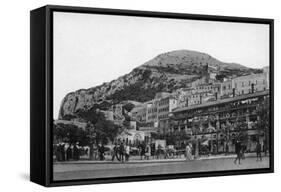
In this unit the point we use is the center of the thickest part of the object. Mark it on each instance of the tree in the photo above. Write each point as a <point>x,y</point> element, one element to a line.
<point>99,129</point>
<point>69,133</point>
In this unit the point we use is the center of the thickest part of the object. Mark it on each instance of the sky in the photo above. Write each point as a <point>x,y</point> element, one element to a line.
<point>90,49</point>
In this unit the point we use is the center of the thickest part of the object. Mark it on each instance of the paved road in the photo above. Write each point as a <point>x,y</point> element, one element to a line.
<point>91,170</point>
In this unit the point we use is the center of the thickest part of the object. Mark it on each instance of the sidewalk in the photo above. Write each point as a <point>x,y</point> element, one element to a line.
<point>136,159</point>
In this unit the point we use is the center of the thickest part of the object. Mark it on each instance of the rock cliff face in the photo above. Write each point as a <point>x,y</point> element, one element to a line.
<point>166,72</point>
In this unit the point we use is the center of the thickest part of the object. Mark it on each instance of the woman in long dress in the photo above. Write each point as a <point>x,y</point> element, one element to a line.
<point>188,154</point>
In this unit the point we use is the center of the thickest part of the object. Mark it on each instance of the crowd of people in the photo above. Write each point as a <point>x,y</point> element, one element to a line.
<point>121,151</point>
<point>67,152</point>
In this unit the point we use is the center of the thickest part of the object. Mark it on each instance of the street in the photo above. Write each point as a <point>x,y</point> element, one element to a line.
<point>68,171</point>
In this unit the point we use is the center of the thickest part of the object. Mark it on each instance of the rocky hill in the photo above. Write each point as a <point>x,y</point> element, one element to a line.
<point>165,72</point>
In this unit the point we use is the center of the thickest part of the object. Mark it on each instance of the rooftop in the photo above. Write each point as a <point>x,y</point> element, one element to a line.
<point>221,101</point>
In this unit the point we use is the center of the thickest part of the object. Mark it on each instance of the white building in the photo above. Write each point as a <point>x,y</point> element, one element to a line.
<point>250,83</point>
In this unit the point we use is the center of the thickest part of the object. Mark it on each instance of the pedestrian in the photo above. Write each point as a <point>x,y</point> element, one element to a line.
<point>115,152</point>
<point>159,147</point>
<point>142,150</point>
<point>226,149</point>
<point>188,152</point>
<point>121,152</point>
<point>147,152</point>
<point>258,151</point>
<point>127,152</point>
<point>166,152</point>
<point>86,151</point>
<point>101,152</point>
<point>153,150</point>
<point>69,153</point>
<point>61,152</point>
<point>238,152</point>
<point>214,149</point>
<point>75,153</point>
<point>63,149</point>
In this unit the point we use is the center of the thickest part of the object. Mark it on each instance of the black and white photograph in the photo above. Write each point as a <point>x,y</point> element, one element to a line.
<point>141,96</point>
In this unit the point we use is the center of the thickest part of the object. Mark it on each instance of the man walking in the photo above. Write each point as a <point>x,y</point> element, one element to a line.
<point>142,150</point>
<point>75,153</point>
<point>122,152</point>
<point>238,151</point>
<point>101,152</point>
<point>226,148</point>
<point>258,151</point>
<point>158,152</point>
<point>69,153</point>
<point>115,152</point>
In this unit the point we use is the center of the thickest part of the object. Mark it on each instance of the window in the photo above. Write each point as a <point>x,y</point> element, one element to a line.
<point>249,83</point>
<point>242,84</point>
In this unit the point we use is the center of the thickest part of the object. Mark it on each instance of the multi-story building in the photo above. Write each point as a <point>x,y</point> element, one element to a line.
<point>183,95</point>
<point>222,121</point>
<point>156,111</point>
<point>244,85</point>
<point>226,89</point>
<point>202,93</point>
<point>165,106</point>
<point>152,110</point>
<point>250,83</point>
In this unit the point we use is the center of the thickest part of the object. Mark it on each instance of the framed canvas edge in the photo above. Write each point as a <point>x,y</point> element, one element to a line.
<point>38,95</point>
<point>49,93</point>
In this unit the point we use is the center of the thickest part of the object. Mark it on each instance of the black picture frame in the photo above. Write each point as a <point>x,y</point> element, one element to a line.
<point>41,101</point>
